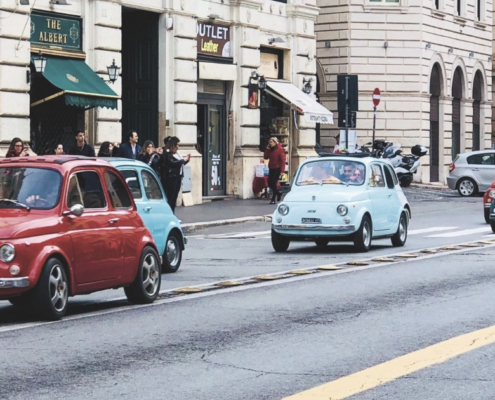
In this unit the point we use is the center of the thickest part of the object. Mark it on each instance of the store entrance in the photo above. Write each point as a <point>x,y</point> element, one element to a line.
<point>211,144</point>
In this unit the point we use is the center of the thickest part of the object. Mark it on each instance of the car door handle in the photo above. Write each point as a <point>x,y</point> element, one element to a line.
<point>147,208</point>
<point>113,221</point>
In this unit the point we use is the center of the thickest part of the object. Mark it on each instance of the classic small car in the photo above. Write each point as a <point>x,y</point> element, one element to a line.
<point>342,198</point>
<point>488,199</point>
<point>69,226</point>
<point>153,208</point>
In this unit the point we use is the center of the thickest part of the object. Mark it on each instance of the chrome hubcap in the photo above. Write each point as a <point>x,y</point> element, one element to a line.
<point>172,251</point>
<point>151,274</point>
<point>366,234</point>
<point>402,230</point>
<point>58,288</point>
<point>466,188</point>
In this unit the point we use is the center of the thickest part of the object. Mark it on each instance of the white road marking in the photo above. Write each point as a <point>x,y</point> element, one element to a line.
<point>433,229</point>
<point>462,233</point>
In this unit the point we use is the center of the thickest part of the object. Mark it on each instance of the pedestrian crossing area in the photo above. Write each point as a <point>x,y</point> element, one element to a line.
<point>430,232</point>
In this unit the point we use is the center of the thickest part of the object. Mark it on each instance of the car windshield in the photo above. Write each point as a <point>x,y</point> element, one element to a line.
<point>323,172</point>
<point>28,187</point>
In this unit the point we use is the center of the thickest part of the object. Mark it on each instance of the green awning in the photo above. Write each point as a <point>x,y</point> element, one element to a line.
<point>81,86</point>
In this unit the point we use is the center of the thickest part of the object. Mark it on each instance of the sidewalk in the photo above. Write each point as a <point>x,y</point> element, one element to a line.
<point>223,212</point>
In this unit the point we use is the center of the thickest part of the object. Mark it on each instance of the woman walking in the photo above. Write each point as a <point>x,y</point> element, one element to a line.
<point>150,156</point>
<point>275,153</point>
<point>16,149</point>
<point>174,167</point>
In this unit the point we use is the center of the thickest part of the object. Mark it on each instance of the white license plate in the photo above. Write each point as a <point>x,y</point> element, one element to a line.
<point>311,221</point>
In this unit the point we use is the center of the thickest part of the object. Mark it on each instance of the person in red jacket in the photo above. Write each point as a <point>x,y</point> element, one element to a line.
<point>276,166</point>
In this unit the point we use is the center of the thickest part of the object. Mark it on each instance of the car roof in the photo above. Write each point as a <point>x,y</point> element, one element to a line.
<point>364,158</point>
<point>60,162</point>
<point>470,153</point>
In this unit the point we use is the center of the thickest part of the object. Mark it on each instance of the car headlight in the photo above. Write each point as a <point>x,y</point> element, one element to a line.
<point>342,210</point>
<point>7,252</point>
<point>283,209</point>
<point>491,194</point>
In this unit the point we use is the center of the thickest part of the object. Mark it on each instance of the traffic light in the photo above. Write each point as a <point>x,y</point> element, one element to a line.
<point>352,119</point>
<point>352,96</point>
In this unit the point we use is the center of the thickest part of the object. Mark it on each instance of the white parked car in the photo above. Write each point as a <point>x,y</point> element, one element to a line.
<point>342,198</point>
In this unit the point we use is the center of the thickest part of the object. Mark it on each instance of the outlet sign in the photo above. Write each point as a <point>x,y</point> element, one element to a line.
<point>213,39</point>
<point>56,32</point>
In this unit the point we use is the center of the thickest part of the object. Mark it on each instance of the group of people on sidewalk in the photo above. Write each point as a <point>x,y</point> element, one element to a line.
<point>166,161</point>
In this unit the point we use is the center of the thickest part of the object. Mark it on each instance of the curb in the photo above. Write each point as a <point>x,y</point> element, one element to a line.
<point>187,228</point>
<point>429,186</point>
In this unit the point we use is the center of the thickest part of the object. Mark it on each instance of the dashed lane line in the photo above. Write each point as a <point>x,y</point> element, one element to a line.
<point>462,233</point>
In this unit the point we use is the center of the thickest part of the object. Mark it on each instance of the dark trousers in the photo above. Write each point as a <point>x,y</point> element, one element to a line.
<point>273,175</point>
<point>172,189</point>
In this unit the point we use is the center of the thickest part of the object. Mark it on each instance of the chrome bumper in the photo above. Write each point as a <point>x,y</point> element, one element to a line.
<point>7,283</point>
<point>315,227</point>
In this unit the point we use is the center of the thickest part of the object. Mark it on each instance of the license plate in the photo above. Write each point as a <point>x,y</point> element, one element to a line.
<point>311,221</point>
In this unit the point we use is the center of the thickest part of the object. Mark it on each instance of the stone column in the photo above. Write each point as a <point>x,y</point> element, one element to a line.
<point>14,64</point>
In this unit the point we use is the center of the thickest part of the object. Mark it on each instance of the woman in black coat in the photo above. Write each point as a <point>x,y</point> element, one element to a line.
<point>151,156</point>
<point>174,171</point>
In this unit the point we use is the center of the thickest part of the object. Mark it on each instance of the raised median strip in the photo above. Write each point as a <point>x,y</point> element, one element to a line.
<point>191,227</point>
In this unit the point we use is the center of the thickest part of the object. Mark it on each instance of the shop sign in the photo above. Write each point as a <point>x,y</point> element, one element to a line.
<point>213,39</point>
<point>269,65</point>
<point>53,31</point>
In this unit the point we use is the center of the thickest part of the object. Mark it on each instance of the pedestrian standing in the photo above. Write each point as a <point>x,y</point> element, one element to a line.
<point>81,148</point>
<point>174,170</point>
<point>106,149</point>
<point>131,148</point>
<point>275,153</point>
<point>149,155</point>
<point>59,149</point>
<point>17,149</point>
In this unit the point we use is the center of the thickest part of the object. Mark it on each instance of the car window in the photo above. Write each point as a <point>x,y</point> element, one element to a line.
<point>481,159</point>
<point>85,188</point>
<point>394,175</point>
<point>117,191</point>
<point>132,180</point>
<point>388,177</point>
<point>377,179</point>
<point>323,172</point>
<point>151,187</point>
<point>37,188</point>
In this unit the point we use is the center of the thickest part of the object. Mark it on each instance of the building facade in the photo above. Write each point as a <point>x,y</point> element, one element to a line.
<point>431,60</point>
<point>188,68</point>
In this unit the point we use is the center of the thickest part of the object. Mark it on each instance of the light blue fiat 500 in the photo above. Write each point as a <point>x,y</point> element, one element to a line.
<point>154,210</point>
<point>342,198</point>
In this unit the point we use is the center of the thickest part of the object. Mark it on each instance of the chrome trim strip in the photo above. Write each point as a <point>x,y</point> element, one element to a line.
<point>7,283</point>
<point>315,227</point>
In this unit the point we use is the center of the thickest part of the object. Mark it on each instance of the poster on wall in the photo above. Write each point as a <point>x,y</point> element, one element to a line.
<point>253,94</point>
<point>213,39</point>
<point>269,65</point>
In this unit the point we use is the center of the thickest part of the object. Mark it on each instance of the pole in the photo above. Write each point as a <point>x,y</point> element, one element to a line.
<point>346,112</point>
<point>374,121</point>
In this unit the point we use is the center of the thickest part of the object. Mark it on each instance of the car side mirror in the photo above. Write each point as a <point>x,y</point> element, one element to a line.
<point>76,209</point>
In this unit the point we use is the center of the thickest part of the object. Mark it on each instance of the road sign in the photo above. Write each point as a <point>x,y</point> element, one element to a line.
<point>376,97</point>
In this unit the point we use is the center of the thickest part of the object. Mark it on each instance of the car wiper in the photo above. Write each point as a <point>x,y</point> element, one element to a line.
<point>16,202</point>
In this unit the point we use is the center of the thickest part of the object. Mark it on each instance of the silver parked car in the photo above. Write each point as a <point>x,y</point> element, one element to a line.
<point>472,173</point>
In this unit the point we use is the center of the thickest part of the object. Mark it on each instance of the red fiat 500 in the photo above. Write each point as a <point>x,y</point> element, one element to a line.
<point>488,198</point>
<point>69,226</point>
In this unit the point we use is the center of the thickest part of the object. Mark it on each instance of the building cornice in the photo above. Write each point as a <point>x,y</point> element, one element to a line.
<point>302,11</point>
<point>255,4</point>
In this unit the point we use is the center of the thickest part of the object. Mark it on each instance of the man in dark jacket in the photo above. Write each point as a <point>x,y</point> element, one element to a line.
<point>131,148</point>
<point>81,148</point>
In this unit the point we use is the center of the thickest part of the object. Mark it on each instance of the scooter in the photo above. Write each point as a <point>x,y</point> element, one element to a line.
<point>406,166</point>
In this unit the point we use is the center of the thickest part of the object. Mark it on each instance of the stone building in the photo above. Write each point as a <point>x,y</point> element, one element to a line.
<point>188,68</point>
<point>432,61</point>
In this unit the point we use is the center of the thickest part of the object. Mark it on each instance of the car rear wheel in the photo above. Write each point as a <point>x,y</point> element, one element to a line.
<point>492,224</point>
<point>400,237</point>
<point>362,237</point>
<point>172,256</point>
<point>50,296</point>
<point>146,286</point>
<point>487,215</point>
<point>467,187</point>
<point>280,243</point>
<point>321,242</point>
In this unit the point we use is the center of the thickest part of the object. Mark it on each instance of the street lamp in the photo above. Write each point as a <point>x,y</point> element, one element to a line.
<point>39,63</point>
<point>307,88</point>
<point>262,83</point>
<point>113,72</point>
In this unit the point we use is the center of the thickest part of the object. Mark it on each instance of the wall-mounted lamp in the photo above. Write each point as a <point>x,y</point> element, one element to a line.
<point>307,88</point>
<point>490,58</point>
<point>276,40</point>
<point>24,2</point>
<point>327,44</point>
<point>451,50</point>
<point>471,55</point>
<point>113,72</point>
<point>213,17</point>
<point>39,62</point>
<point>261,80</point>
<point>428,46</point>
<point>60,2</point>
<point>385,44</point>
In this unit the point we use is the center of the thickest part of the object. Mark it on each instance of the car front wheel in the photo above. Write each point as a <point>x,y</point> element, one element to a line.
<point>50,297</point>
<point>467,187</point>
<point>400,237</point>
<point>487,215</point>
<point>172,256</point>
<point>146,286</point>
<point>362,237</point>
<point>280,243</point>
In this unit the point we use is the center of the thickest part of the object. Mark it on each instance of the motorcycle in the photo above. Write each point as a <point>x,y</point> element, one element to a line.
<point>405,166</point>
